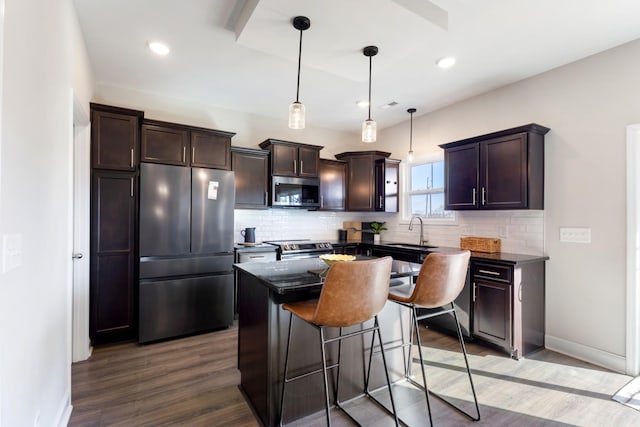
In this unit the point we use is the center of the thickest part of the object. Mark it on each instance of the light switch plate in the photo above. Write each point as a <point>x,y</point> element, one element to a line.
<point>11,251</point>
<point>575,235</point>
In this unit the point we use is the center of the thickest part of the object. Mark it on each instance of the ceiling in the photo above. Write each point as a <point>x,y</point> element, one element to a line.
<point>242,55</point>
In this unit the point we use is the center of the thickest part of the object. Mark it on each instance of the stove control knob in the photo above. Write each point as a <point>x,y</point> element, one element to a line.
<point>285,247</point>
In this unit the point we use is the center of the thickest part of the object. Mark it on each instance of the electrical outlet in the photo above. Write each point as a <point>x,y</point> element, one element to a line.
<point>575,235</point>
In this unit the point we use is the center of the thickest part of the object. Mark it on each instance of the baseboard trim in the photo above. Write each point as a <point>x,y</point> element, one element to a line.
<point>586,353</point>
<point>64,413</point>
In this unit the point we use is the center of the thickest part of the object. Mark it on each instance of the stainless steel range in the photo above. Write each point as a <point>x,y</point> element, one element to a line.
<point>298,249</point>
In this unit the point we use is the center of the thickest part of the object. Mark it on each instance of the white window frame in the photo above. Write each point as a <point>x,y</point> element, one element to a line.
<point>406,185</point>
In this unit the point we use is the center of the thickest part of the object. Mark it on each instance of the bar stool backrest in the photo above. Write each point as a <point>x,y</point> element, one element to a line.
<point>441,279</point>
<point>353,292</point>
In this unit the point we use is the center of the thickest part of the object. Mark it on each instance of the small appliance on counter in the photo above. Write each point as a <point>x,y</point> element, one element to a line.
<point>249,235</point>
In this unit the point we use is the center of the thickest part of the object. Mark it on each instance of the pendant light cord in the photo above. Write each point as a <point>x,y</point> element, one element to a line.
<point>299,61</point>
<point>369,118</point>
<point>411,135</point>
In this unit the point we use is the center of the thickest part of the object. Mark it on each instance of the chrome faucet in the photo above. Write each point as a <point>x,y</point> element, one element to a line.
<point>422,239</point>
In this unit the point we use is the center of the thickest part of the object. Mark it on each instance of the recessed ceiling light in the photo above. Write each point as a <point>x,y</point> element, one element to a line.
<point>159,48</point>
<point>446,62</point>
<point>362,104</point>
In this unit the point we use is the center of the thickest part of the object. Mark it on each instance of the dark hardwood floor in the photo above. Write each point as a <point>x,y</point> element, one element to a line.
<point>193,381</point>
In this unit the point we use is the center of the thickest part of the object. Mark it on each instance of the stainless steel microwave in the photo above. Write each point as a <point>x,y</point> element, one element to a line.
<point>291,192</point>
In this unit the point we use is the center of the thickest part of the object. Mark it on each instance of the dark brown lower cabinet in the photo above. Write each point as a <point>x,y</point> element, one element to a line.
<point>492,320</point>
<point>508,305</point>
<point>113,256</point>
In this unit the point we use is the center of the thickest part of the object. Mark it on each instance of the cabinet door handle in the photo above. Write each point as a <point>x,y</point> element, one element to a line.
<point>132,158</point>
<point>473,196</point>
<point>256,256</point>
<point>301,168</point>
<point>493,273</point>
<point>266,198</point>
<point>380,202</point>
<point>484,194</point>
<point>321,201</point>
<point>184,154</point>
<point>131,190</point>
<point>295,168</point>
<point>474,292</point>
<point>193,154</point>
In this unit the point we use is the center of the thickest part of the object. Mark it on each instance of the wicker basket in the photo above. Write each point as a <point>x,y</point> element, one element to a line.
<point>480,244</point>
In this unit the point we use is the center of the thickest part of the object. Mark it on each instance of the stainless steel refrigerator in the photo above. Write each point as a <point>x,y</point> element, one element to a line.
<point>186,250</point>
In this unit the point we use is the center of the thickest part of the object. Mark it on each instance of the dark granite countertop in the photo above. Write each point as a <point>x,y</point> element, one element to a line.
<point>297,274</point>
<point>504,257</point>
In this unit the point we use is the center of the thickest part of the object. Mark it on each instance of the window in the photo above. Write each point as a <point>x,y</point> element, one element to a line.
<point>424,193</point>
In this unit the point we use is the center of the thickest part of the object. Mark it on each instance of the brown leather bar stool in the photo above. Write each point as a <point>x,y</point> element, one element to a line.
<point>440,281</point>
<point>352,293</point>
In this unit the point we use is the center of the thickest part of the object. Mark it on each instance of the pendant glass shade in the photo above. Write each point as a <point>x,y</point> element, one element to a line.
<point>410,157</point>
<point>296,115</point>
<point>296,109</point>
<point>369,131</point>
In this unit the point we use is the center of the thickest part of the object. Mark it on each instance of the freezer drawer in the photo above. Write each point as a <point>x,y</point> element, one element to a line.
<point>170,308</point>
<point>156,267</point>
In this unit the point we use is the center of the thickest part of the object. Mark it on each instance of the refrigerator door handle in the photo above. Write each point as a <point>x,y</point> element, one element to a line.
<point>131,192</point>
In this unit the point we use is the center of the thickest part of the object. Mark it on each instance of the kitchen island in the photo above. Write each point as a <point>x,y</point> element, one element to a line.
<point>262,337</point>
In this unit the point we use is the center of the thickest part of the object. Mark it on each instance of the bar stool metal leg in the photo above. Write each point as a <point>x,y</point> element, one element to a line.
<point>424,375</point>
<point>324,376</point>
<point>386,372</point>
<point>286,367</point>
<point>466,361</point>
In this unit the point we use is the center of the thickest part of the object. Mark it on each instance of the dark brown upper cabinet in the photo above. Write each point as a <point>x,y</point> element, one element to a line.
<point>292,158</point>
<point>211,149</point>
<point>500,170</point>
<point>251,168</point>
<point>333,181</point>
<point>387,173</point>
<point>367,176</point>
<point>114,137</point>
<point>181,145</point>
<point>164,144</point>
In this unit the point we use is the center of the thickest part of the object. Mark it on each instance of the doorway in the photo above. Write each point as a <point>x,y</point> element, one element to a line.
<point>633,250</point>
<point>81,345</point>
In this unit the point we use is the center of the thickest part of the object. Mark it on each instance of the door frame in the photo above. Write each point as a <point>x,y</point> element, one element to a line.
<point>633,251</point>
<point>81,159</point>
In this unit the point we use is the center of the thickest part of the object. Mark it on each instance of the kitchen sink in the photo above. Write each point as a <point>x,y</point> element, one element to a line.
<point>409,246</point>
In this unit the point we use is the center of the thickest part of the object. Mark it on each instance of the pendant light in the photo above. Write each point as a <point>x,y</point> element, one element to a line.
<point>411,111</point>
<point>369,126</point>
<point>296,109</point>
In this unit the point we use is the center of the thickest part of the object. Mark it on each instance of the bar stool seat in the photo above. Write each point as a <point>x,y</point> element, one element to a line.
<point>353,292</point>
<point>440,281</point>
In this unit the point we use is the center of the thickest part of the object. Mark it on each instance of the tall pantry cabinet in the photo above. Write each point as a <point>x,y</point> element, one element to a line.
<point>115,145</point>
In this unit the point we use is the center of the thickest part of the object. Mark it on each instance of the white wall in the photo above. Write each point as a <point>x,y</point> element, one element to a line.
<point>41,65</point>
<point>587,105</point>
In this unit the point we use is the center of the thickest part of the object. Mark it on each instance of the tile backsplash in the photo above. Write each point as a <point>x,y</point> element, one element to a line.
<point>520,231</point>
